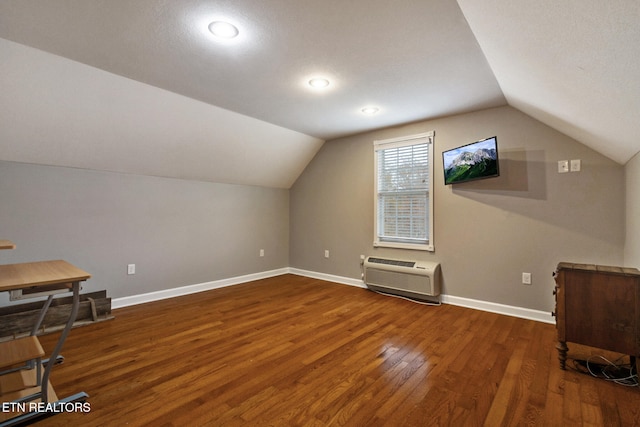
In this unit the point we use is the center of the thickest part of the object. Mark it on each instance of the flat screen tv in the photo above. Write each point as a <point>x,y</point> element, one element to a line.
<point>477,160</point>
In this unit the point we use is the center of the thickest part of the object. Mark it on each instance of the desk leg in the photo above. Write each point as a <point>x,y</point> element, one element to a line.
<point>63,337</point>
<point>43,312</point>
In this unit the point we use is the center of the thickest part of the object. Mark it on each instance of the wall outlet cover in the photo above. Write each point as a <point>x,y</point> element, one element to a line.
<point>575,165</point>
<point>563,166</point>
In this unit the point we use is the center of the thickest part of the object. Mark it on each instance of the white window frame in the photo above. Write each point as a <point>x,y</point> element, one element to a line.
<point>405,141</point>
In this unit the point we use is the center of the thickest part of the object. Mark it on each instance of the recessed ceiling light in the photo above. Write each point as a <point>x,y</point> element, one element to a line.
<point>318,83</point>
<point>223,29</point>
<point>370,110</point>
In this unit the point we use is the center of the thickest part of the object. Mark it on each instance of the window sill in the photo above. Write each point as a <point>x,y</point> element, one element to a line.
<point>398,245</point>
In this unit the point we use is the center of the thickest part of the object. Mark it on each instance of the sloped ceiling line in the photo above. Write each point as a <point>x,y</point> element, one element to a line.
<point>242,112</point>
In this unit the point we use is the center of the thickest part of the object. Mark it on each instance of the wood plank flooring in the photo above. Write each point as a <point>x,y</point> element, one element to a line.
<point>295,351</point>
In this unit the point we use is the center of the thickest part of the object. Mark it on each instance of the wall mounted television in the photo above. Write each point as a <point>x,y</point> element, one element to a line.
<point>470,162</point>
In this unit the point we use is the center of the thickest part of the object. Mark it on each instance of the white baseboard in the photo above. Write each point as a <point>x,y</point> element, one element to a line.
<point>524,313</point>
<point>328,277</point>
<point>509,310</point>
<point>192,289</point>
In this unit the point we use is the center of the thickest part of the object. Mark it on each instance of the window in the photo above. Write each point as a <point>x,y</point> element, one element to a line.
<point>403,198</point>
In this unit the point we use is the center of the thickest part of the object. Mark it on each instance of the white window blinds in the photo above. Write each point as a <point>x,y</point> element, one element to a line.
<point>403,189</point>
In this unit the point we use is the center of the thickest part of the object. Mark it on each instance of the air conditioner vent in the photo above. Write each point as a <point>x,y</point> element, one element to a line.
<point>404,277</point>
<point>392,262</point>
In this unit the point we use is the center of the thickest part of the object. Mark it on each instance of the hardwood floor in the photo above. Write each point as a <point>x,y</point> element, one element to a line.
<point>297,351</point>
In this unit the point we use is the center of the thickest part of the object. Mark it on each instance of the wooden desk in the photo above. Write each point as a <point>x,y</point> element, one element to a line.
<point>35,274</point>
<point>40,277</point>
<point>34,278</point>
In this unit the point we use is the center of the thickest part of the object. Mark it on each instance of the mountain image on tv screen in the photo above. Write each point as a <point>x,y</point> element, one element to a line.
<point>470,162</point>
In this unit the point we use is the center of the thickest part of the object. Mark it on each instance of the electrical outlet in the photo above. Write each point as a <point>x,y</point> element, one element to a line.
<point>326,253</point>
<point>526,278</point>
<point>563,166</point>
<point>261,252</point>
<point>131,269</point>
<point>575,165</point>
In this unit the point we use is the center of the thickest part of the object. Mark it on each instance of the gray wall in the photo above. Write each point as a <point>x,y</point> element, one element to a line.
<point>177,232</point>
<point>181,232</point>
<point>486,232</point>
<point>632,243</point>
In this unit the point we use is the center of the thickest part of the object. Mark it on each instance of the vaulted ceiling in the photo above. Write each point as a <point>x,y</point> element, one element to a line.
<point>574,65</point>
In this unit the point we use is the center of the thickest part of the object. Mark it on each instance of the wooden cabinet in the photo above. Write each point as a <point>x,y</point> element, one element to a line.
<point>597,306</point>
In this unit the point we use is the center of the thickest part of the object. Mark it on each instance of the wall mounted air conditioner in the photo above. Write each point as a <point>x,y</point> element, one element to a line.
<point>408,278</point>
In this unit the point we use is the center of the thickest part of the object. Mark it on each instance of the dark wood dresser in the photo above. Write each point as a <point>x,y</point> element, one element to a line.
<point>597,306</point>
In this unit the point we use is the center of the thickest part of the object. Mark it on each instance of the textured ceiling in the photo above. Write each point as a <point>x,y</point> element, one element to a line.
<point>573,65</point>
<point>414,60</point>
